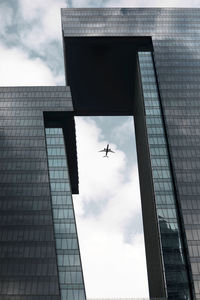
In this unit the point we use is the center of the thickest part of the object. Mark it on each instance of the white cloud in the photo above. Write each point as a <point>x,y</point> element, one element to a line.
<point>42,23</point>
<point>112,269</point>
<point>6,18</point>
<point>34,31</point>
<point>107,204</point>
<point>18,69</point>
<point>136,3</point>
<point>122,132</point>
<point>153,3</point>
<point>90,151</point>
<point>85,3</point>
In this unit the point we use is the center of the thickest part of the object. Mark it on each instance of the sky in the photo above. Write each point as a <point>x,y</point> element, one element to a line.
<point>108,208</point>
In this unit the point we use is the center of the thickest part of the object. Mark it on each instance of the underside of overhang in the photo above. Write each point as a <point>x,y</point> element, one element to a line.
<point>101,72</point>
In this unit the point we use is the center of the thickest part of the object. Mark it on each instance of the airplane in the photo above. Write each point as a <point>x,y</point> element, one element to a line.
<point>106,150</point>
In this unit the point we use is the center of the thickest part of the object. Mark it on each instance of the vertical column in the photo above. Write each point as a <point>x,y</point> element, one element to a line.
<point>171,240</point>
<point>68,254</point>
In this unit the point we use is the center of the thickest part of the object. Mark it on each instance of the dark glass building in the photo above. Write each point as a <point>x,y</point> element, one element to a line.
<point>145,62</point>
<point>139,62</point>
<point>39,253</point>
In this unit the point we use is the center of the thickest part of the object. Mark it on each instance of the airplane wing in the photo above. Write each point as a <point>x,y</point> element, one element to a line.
<point>109,150</point>
<point>104,150</point>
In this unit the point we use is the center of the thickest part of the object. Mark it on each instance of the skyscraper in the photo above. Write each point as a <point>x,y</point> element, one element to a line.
<point>39,253</point>
<point>139,62</point>
<point>145,62</point>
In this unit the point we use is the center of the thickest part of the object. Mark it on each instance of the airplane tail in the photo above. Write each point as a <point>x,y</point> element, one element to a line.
<point>106,156</point>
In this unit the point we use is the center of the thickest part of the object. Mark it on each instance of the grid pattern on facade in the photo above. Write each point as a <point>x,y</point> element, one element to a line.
<point>171,239</point>
<point>67,249</point>
<point>176,38</point>
<point>28,266</point>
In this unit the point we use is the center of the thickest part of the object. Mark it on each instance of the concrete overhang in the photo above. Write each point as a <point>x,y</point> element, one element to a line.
<point>101,73</point>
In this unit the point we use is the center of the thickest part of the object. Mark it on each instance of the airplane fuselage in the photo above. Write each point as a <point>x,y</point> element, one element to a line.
<point>106,150</point>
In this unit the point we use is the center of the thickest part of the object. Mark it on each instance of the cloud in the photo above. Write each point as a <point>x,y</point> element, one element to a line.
<point>6,18</point>
<point>42,22</point>
<point>18,69</point>
<point>40,32</point>
<point>33,29</point>
<point>87,3</point>
<point>112,268</point>
<point>152,3</point>
<point>122,132</point>
<point>97,165</point>
<point>31,48</point>
<point>135,3</point>
<point>108,212</point>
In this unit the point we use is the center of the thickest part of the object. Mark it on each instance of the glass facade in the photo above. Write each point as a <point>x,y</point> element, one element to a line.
<point>171,239</point>
<point>175,34</point>
<point>28,261</point>
<point>67,249</point>
<point>36,261</point>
